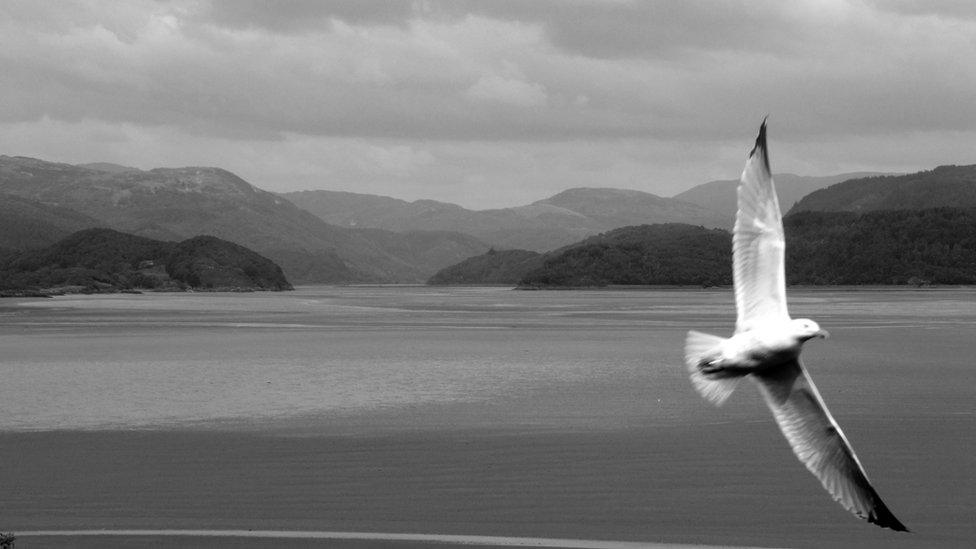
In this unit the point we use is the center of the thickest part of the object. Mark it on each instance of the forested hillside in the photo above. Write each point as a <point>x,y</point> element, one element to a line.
<point>913,247</point>
<point>943,187</point>
<point>935,246</point>
<point>104,260</point>
<point>494,267</point>
<point>665,254</point>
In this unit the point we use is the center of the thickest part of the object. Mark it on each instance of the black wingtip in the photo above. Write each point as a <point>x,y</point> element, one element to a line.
<point>760,147</point>
<point>884,518</point>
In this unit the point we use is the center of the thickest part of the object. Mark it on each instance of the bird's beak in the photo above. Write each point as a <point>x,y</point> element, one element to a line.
<point>822,334</point>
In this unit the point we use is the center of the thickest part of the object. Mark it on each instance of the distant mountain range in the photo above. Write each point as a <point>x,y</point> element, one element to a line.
<point>26,223</point>
<point>104,260</point>
<point>871,230</point>
<point>178,203</point>
<point>557,221</point>
<point>541,226</point>
<point>720,196</point>
<point>338,237</point>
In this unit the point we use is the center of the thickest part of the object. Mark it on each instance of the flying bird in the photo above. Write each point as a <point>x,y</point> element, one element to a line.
<point>766,348</point>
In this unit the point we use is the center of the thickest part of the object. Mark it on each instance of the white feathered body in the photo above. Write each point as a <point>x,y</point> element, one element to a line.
<point>753,351</point>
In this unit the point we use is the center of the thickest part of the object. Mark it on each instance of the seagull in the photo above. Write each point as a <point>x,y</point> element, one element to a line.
<point>766,348</point>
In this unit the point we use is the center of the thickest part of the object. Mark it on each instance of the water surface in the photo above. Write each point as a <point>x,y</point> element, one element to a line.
<point>472,411</point>
<point>611,357</point>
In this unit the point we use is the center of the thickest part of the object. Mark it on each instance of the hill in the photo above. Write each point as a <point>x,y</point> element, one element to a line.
<point>493,267</point>
<point>899,247</point>
<point>666,254</point>
<point>26,223</point>
<point>541,226</point>
<point>936,246</point>
<point>720,196</point>
<point>178,203</point>
<point>613,208</point>
<point>945,186</point>
<point>104,260</point>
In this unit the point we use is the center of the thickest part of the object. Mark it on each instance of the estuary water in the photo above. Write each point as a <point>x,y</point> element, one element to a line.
<point>465,355</point>
<point>472,411</point>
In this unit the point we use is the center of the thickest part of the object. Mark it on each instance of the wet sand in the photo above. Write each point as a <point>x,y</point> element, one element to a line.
<point>677,484</point>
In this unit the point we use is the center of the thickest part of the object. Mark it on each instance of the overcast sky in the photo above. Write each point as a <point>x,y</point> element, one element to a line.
<point>489,103</point>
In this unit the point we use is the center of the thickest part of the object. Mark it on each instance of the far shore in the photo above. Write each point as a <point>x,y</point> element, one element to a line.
<point>49,293</point>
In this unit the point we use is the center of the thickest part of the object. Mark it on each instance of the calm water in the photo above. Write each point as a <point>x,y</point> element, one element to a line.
<point>472,411</point>
<point>459,356</point>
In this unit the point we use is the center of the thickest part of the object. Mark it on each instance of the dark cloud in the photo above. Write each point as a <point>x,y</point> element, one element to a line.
<point>593,28</point>
<point>647,28</point>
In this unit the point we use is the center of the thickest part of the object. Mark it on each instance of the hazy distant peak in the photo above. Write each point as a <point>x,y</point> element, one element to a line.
<point>537,209</point>
<point>608,202</point>
<point>436,204</point>
<point>313,193</point>
<point>542,225</point>
<point>108,167</point>
<point>598,193</point>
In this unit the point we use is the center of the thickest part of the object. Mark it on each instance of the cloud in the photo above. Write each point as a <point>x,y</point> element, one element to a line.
<point>381,70</point>
<point>524,95</point>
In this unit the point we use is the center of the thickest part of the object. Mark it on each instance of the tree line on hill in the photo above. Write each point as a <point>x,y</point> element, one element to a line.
<point>914,247</point>
<point>932,246</point>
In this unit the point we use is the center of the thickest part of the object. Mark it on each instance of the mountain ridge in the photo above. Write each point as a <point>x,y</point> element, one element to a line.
<point>178,203</point>
<point>543,225</point>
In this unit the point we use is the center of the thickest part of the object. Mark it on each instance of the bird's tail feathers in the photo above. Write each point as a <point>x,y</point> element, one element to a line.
<point>699,348</point>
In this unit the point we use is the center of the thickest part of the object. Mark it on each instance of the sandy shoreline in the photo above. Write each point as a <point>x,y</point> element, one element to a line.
<point>662,484</point>
<point>276,537</point>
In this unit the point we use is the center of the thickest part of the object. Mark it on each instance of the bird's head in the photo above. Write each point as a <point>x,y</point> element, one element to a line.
<point>806,329</point>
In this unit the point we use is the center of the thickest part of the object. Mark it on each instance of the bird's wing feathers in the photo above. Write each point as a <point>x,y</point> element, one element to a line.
<point>820,444</point>
<point>758,245</point>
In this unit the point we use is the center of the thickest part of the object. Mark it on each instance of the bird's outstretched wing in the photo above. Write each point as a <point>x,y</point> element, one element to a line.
<point>758,245</point>
<point>820,444</point>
